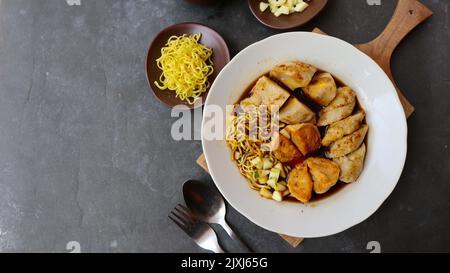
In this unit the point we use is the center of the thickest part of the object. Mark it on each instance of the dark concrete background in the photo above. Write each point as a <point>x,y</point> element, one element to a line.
<point>86,153</point>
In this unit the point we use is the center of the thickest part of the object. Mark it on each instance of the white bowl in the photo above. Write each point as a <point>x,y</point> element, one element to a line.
<point>387,137</point>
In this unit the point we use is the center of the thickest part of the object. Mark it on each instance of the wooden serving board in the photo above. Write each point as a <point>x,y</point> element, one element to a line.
<point>408,15</point>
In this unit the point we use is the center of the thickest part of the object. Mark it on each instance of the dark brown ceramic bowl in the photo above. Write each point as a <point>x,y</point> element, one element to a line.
<point>287,21</point>
<point>210,38</point>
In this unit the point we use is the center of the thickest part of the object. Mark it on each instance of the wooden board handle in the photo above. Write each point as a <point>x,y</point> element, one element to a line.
<point>408,15</point>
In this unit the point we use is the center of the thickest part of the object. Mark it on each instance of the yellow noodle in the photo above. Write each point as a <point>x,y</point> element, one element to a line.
<point>247,148</point>
<point>186,65</point>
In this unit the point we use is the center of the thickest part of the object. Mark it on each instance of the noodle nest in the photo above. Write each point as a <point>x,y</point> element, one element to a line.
<point>186,65</point>
<point>245,148</point>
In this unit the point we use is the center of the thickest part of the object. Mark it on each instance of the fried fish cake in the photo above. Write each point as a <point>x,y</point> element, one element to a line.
<point>300,183</point>
<point>324,172</point>
<point>283,149</point>
<point>306,137</point>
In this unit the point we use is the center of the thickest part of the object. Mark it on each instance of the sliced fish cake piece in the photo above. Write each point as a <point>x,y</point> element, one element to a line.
<point>340,108</point>
<point>322,89</point>
<point>351,165</point>
<point>295,112</point>
<point>342,128</point>
<point>294,74</point>
<point>347,144</point>
<point>266,92</point>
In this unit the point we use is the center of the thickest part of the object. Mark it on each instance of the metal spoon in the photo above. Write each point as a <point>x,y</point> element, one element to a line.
<point>207,205</point>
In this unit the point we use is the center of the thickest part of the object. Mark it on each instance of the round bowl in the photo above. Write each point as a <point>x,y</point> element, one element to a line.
<point>209,38</point>
<point>287,21</point>
<point>387,137</point>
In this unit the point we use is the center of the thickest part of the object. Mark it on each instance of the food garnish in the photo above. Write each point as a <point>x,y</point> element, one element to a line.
<point>286,7</point>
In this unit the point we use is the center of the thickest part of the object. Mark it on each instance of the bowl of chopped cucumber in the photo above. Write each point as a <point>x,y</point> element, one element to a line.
<point>286,14</point>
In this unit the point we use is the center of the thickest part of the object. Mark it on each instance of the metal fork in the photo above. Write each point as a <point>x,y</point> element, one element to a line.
<point>199,231</point>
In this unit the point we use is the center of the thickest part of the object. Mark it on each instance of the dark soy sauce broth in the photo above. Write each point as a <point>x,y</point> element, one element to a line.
<point>300,95</point>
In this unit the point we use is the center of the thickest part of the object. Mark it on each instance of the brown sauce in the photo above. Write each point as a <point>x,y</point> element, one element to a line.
<point>299,94</point>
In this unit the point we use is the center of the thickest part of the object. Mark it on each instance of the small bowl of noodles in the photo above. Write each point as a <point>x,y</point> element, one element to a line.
<point>182,62</point>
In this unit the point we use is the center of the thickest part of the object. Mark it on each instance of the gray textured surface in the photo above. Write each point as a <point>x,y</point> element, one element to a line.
<point>85,149</point>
